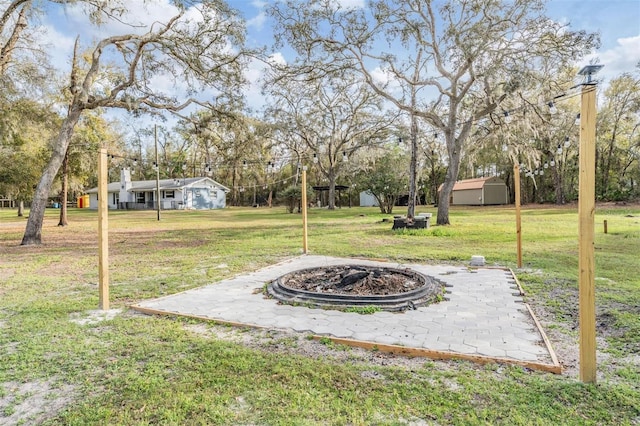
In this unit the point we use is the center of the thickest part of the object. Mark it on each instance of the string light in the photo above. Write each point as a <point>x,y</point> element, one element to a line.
<point>507,117</point>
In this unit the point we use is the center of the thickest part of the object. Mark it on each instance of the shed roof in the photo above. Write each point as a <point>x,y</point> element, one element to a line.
<point>477,183</point>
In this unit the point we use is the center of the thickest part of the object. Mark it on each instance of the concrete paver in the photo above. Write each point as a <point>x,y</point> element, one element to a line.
<point>484,315</point>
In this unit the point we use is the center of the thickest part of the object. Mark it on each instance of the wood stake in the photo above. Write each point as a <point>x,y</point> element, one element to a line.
<point>155,138</point>
<point>586,249</point>
<point>606,229</point>
<point>304,212</point>
<point>103,231</point>
<point>516,179</point>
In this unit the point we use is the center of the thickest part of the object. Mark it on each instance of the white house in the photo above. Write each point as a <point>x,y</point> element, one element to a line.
<point>184,193</point>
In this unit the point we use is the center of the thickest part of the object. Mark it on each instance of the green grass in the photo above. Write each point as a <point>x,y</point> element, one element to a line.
<point>135,369</point>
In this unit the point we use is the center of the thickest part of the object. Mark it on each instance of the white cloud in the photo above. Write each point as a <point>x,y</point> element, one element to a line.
<point>622,58</point>
<point>277,59</point>
<point>351,4</point>
<point>257,21</point>
<point>57,44</point>
<point>254,75</point>
<point>384,78</point>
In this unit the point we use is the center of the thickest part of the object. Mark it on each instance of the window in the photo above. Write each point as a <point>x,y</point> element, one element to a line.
<point>170,194</point>
<point>140,197</point>
<point>116,198</point>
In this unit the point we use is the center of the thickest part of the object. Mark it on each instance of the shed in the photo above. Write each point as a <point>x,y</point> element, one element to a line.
<point>480,192</point>
<point>367,199</point>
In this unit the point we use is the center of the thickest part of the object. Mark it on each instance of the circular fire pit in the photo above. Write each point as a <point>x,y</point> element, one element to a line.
<point>350,286</point>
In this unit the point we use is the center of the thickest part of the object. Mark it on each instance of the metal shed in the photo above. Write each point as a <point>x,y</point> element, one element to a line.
<point>480,192</point>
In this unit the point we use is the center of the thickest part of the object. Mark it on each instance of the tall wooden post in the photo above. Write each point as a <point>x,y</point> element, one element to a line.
<point>304,211</point>
<point>103,231</point>
<point>516,185</point>
<point>155,138</point>
<point>586,250</point>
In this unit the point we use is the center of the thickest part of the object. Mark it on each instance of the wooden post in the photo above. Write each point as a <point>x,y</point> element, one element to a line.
<point>586,250</point>
<point>155,137</point>
<point>606,227</point>
<point>103,231</point>
<point>516,179</point>
<point>304,211</point>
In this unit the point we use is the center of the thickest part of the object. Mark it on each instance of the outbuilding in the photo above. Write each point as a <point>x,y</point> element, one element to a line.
<point>480,192</point>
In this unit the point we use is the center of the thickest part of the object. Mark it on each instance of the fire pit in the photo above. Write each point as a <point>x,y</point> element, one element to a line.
<point>350,286</point>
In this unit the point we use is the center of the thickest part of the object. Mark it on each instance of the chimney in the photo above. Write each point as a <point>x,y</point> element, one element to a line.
<point>125,185</point>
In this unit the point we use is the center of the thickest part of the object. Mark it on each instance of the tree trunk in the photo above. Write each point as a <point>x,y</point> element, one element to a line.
<point>6,52</point>
<point>332,190</point>
<point>413,136</point>
<point>20,208</point>
<point>65,191</point>
<point>413,166</point>
<point>33,231</point>
<point>557,180</point>
<point>447,186</point>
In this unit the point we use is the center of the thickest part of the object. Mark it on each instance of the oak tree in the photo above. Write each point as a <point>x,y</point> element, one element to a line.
<point>453,54</point>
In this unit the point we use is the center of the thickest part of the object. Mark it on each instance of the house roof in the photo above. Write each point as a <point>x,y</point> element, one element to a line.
<point>165,184</point>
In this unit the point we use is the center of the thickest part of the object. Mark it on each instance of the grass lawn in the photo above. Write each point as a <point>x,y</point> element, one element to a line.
<point>60,367</point>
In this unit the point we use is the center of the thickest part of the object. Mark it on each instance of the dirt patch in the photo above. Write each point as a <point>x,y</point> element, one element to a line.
<point>33,402</point>
<point>93,317</point>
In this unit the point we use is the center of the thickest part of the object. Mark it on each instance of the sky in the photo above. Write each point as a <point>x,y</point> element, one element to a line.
<point>617,22</point>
